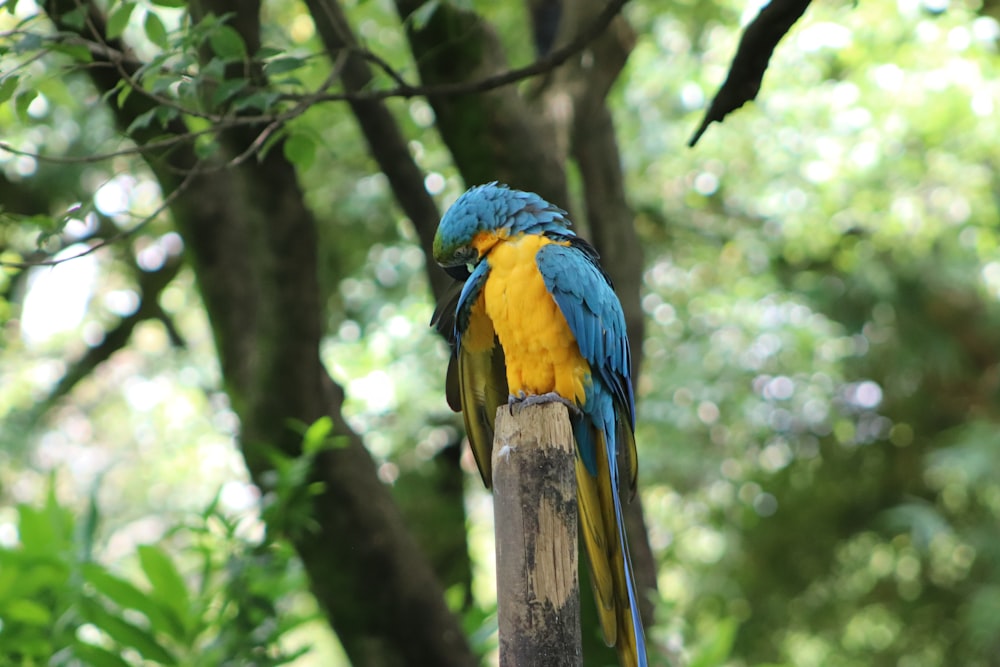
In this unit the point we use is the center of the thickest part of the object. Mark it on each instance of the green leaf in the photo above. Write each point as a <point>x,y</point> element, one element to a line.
<point>419,18</point>
<point>205,146</point>
<point>261,100</point>
<point>282,65</point>
<point>126,595</point>
<point>27,611</point>
<point>227,43</point>
<point>315,436</point>
<point>168,585</point>
<point>166,114</point>
<point>118,19</point>
<point>125,633</point>
<point>265,52</point>
<point>300,151</point>
<point>77,52</point>
<point>87,528</point>
<point>75,18</point>
<point>213,70</point>
<point>155,30</point>
<point>162,85</point>
<point>270,143</point>
<point>7,87</point>
<point>126,90</point>
<point>97,656</point>
<point>715,649</point>
<point>38,530</point>
<point>118,590</point>
<point>29,42</point>
<point>22,102</point>
<point>169,3</point>
<point>141,121</point>
<point>227,90</point>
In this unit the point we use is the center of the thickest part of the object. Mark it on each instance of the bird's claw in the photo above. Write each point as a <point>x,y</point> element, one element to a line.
<point>520,400</point>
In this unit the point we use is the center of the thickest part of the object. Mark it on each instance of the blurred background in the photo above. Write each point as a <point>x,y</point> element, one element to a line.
<point>818,399</point>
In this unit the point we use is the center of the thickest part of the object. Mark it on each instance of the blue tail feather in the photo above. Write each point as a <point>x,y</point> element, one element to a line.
<point>633,595</point>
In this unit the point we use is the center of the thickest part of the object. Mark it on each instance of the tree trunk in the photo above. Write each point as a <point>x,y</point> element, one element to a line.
<point>252,244</point>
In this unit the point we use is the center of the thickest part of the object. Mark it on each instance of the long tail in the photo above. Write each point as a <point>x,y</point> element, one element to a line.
<point>603,527</point>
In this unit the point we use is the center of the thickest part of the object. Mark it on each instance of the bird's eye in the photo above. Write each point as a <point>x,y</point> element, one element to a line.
<point>469,254</point>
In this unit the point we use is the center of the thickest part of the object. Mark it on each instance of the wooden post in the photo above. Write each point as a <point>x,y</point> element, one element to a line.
<point>535,516</point>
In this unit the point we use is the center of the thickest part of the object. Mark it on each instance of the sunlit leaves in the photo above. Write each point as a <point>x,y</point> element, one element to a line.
<point>288,488</point>
<point>284,64</point>
<point>167,583</point>
<point>227,43</point>
<point>300,149</point>
<point>33,577</point>
<point>56,602</point>
<point>419,18</point>
<point>127,595</point>
<point>160,114</point>
<point>7,87</point>
<point>716,644</point>
<point>118,19</point>
<point>226,90</point>
<point>76,17</point>
<point>125,633</point>
<point>27,42</point>
<point>319,436</point>
<point>260,100</point>
<point>21,103</point>
<point>97,655</point>
<point>155,30</point>
<point>871,212</point>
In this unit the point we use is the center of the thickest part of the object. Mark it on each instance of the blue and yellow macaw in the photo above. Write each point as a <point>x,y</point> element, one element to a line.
<point>537,317</point>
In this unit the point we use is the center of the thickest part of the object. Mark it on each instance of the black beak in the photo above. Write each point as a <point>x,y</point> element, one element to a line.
<point>459,273</point>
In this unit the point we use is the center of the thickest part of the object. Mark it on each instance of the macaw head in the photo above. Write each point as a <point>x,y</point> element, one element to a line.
<point>487,214</point>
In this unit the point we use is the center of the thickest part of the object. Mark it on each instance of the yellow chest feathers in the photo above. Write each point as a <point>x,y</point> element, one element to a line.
<point>541,353</point>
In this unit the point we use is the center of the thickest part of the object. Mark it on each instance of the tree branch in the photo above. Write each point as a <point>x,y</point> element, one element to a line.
<point>751,59</point>
<point>493,135</point>
<point>385,141</point>
<point>151,284</point>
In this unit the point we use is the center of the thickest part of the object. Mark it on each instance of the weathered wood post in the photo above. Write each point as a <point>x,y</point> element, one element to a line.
<point>535,515</point>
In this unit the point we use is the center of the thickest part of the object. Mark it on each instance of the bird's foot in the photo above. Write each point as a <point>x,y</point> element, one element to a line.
<point>520,400</point>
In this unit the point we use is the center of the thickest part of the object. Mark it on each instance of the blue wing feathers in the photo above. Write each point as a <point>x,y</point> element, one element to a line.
<point>588,302</point>
<point>584,294</point>
<point>470,292</point>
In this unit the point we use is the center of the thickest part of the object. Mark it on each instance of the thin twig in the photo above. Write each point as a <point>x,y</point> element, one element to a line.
<point>123,234</point>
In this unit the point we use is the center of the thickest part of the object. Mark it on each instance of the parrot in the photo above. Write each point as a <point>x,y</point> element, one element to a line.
<point>537,319</point>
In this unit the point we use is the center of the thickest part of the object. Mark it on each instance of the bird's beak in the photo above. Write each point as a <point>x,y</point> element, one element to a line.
<point>459,273</point>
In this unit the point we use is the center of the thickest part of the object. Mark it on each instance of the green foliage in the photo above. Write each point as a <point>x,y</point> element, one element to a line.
<point>214,598</point>
<point>289,487</point>
<point>818,405</point>
<point>34,585</point>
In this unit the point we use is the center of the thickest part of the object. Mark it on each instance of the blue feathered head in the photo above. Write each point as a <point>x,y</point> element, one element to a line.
<point>494,210</point>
